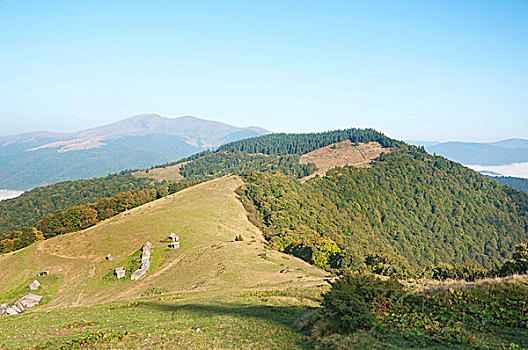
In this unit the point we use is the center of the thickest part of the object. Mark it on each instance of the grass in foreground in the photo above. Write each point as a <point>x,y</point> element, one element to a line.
<point>251,320</point>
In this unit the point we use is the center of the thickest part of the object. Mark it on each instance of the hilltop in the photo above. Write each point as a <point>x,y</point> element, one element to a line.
<point>39,158</point>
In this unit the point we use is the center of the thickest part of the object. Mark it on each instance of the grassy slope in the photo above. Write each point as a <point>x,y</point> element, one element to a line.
<point>210,273</point>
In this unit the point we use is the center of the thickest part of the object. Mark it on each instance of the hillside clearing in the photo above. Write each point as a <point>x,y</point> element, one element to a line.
<point>169,173</point>
<point>341,154</point>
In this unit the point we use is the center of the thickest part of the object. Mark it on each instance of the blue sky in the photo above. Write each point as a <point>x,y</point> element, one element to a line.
<point>421,70</point>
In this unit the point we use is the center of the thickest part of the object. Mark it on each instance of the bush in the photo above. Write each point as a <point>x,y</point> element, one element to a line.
<point>468,272</point>
<point>517,264</point>
<point>354,298</point>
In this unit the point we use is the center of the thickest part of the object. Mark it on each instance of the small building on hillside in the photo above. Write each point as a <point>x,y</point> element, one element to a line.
<point>141,271</point>
<point>110,257</point>
<point>173,237</point>
<point>174,245</point>
<point>43,273</point>
<point>120,272</point>
<point>29,300</point>
<point>35,285</point>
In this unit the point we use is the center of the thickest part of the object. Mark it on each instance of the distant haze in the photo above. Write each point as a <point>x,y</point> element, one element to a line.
<point>38,158</point>
<point>412,69</point>
<point>507,157</point>
<point>6,194</point>
<point>515,170</point>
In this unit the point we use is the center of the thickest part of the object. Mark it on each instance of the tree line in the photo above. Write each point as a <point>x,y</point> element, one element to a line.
<point>34,205</point>
<point>83,216</point>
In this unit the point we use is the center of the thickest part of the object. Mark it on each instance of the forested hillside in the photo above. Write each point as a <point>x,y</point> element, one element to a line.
<point>83,216</point>
<point>409,211</point>
<point>33,205</point>
<point>280,144</point>
<point>273,152</point>
<point>518,183</point>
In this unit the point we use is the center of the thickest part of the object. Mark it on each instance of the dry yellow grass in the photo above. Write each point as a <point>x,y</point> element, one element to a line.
<point>170,173</point>
<point>432,286</point>
<point>341,154</point>
<point>206,217</point>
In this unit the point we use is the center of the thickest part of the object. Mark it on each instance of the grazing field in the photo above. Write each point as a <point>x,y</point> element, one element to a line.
<point>206,217</point>
<point>162,320</point>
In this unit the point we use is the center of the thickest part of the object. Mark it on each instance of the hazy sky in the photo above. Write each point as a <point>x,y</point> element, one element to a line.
<point>422,70</point>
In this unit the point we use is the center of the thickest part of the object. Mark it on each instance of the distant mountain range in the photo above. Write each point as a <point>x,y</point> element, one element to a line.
<point>502,158</point>
<point>39,158</point>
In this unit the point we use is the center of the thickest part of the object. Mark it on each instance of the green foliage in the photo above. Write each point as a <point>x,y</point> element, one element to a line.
<point>129,305</point>
<point>518,183</point>
<point>455,316</point>
<point>154,291</point>
<point>414,209</point>
<point>93,338</point>
<point>466,271</point>
<point>280,144</point>
<point>354,298</point>
<point>214,164</point>
<point>518,264</point>
<point>34,205</point>
<point>239,238</point>
<point>83,216</point>
<point>479,316</point>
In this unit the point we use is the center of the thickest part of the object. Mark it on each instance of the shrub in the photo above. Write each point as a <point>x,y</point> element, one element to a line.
<point>354,298</point>
<point>468,272</point>
<point>517,264</point>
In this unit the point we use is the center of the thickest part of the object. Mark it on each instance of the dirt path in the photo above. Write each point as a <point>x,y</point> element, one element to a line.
<point>39,249</point>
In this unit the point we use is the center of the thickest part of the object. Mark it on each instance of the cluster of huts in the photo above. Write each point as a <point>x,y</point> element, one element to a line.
<point>26,301</point>
<point>146,250</point>
<point>31,299</point>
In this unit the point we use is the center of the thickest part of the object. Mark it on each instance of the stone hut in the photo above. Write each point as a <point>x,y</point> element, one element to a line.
<point>146,250</point>
<point>141,271</point>
<point>173,237</point>
<point>20,305</point>
<point>174,245</point>
<point>110,257</point>
<point>3,309</point>
<point>120,272</point>
<point>29,300</point>
<point>35,285</point>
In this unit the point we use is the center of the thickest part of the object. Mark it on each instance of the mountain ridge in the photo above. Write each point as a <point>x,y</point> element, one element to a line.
<point>44,157</point>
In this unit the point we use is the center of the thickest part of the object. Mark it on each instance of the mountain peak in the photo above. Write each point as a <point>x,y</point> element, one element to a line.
<point>136,142</point>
